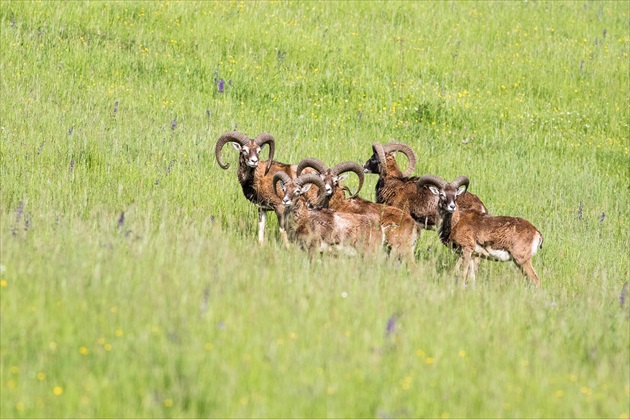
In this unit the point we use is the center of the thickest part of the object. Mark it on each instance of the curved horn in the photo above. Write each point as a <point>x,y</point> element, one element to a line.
<point>378,150</point>
<point>407,151</point>
<point>432,180</point>
<point>229,137</point>
<point>350,166</point>
<point>263,139</point>
<point>460,181</point>
<point>280,176</point>
<point>312,163</point>
<point>317,181</point>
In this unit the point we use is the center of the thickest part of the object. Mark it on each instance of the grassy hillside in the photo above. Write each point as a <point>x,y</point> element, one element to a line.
<point>131,280</point>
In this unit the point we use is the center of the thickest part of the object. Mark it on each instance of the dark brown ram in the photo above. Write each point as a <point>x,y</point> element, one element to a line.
<point>256,178</point>
<point>397,189</point>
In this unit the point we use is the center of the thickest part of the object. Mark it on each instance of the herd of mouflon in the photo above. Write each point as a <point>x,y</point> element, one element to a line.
<point>317,212</point>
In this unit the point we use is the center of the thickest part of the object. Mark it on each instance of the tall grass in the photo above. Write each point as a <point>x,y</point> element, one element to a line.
<point>131,280</point>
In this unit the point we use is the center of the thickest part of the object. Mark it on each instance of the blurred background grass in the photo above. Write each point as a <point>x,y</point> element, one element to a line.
<point>132,284</point>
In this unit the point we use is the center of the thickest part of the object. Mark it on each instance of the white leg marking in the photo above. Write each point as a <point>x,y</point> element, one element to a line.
<point>262,217</point>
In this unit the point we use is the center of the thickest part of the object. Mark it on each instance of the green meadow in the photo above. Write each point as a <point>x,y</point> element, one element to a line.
<point>132,282</point>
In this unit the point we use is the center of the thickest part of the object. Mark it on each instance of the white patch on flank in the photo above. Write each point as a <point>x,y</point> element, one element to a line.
<point>536,243</point>
<point>480,250</point>
<point>341,222</point>
<point>498,254</point>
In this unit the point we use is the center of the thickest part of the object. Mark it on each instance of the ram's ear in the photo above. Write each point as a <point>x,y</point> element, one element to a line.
<point>461,190</point>
<point>434,190</point>
<point>343,177</point>
<point>284,188</point>
<point>237,146</point>
<point>306,187</point>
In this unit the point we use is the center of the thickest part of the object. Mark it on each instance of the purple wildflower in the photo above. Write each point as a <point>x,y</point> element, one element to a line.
<point>580,212</point>
<point>70,131</point>
<point>602,217</point>
<point>605,33</point>
<point>72,165</point>
<point>622,294</point>
<point>203,307</point>
<point>18,216</point>
<point>170,165</point>
<point>391,325</point>
<point>121,220</point>
<point>220,85</point>
<point>115,107</point>
<point>19,211</point>
<point>207,112</point>
<point>174,124</point>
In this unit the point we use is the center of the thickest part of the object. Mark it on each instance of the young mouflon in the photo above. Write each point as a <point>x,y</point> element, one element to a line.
<point>493,237</point>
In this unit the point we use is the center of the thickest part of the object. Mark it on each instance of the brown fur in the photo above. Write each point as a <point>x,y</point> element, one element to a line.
<point>256,178</point>
<point>400,229</point>
<point>314,227</point>
<point>404,193</point>
<point>258,189</point>
<point>475,233</point>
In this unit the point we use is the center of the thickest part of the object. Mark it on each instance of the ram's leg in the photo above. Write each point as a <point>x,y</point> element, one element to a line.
<point>262,217</point>
<point>458,265</point>
<point>474,263</point>
<point>391,242</point>
<point>410,248</point>
<point>528,270</point>
<point>467,256</point>
<point>282,227</point>
<point>457,269</point>
<point>477,262</point>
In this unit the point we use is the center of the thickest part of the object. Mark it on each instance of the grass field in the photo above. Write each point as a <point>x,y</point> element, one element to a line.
<point>132,284</point>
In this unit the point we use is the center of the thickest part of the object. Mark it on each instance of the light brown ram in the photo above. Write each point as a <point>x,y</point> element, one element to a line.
<point>317,229</point>
<point>401,231</point>
<point>499,238</point>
